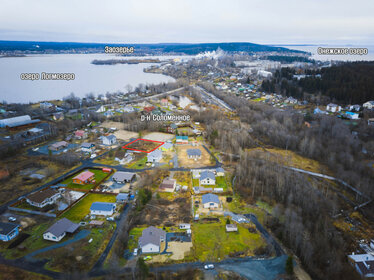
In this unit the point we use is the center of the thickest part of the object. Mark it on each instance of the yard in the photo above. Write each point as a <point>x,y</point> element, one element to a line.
<point>138,164</point>
<point>80,255</point>
<point>82,208</point>
<point>99,176</point>
<point>211,242</point>
<point>143,145</point>
<point>134,235</point>
<point>184,161</point>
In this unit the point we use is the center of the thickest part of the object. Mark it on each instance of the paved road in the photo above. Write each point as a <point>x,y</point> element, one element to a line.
<point>212,97</point>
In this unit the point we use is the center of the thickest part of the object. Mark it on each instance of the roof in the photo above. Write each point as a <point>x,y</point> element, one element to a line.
<point>173,126</point>
<point>15,124</point>
<point>35,130</point>
<point>122,196</point>
<point>84,176</point>
<point>207,174</point>
<point>167,145</point>
<point>111,137</point>
<point>40,196</point>
<point>233,226</point>
<point>9,121</point>
<point>6,228</point>
<point>79,133</point>
<point>102,206</point>
<point>182,137</point>
<point>193,152</point>
<point>122,176</point>
<point>59,144</point>
<point>207,198</point>
<point>168,184</point>
<point>62,226</point>
<point>87,145</point>
<point>361,257</point>
<point>220,169</point>
<point>151,235</point>
<point>155,154</point>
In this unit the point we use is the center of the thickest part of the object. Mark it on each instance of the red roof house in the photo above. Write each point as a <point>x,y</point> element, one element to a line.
<point>85,177</point>
<point>149,109</point>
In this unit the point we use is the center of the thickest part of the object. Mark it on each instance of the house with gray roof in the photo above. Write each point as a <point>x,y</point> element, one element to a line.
<point>154,156</point>
<point>210,201</point>
<point>123,177</point>
<point>109,140</point>
<point>102,208</point>
<point>59,229</point>
<point>151,239</point>
<point>194,153</point>
<point>207,178</point>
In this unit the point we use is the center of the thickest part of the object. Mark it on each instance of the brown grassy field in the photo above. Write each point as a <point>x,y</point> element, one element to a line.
<point>184,161</point>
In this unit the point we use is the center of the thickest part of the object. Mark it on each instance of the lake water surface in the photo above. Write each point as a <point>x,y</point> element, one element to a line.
<point>88,77</point>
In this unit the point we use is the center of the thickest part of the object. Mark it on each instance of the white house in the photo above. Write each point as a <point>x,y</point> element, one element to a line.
<point>207,178</point>
<point>184,226</point>
<point>109,140</point>
<point>231,227</point>
<point>43,198</point>
<point>59,229</point>
<point>102,208</point>
<point>87,147</point>
<point>151,239</point>
<point>101,109</point>
<point>210,201</point>
<point>154,156</point>
<point>194,153</point>
<point>368,105</point>
<point>333,108</point>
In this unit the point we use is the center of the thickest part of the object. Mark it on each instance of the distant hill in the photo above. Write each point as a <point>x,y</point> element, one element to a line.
<point>177,48</point>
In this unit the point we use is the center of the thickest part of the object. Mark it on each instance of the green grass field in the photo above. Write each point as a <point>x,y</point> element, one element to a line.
<point>221,183</point>
<point>99,176</point>
<point>195,182</point>
<point>82,208</point>
<point>134,235</point>
<point>211,241</point>
<point>139,164</point>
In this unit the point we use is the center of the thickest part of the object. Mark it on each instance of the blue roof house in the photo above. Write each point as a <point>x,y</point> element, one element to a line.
<point>102,208</point>
<point>8,231</point>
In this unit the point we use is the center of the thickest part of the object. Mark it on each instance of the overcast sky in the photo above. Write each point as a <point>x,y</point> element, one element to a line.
<point>191,21</point>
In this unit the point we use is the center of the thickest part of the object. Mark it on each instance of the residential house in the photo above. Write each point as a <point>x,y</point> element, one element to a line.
<point>363,263</point>
<point>154,156</point>
<point>46,105</point>
<point>86,177</point>
<point>184,226</point>
<point>8,231</point>
<point>58,146</point>
<point>168,185</point>
<point>164,102</point>
<point>333,108</point>
<point>151,239</point>
<point>80,134</point>
<point>43,197</point>
<point>128,109</point>
<point>171,128</point>
<point>355,108</point>
<point>59,229</point>
<point>59,116</point>
<point>87,147</point>
<point>180,140</point>
<point>207,178</point>
<point>122,197</point>
<point>220,172</point>
<point>102,208</point>
<point>148,109</point>
<point>368,105</point>
<point>231,227</point>
<point>123,177</point>
<point>194,154</point>
<point>109,140</point>
<point>210,201</point>
<point>351,115</point>
<point>166,147</point>
<point>101,109</point>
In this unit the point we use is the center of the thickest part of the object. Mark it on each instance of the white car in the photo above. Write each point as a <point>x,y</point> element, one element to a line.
<point>209,266</point>
<point>93,156</point>
<point>12,219</point>
<point>135,251</point>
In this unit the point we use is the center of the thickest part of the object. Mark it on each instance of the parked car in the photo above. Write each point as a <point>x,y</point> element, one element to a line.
<point>110,219</point>
<point>12,219</point>
<point>147,258</point>
<point>209,266</point>
<point>135,251</point>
